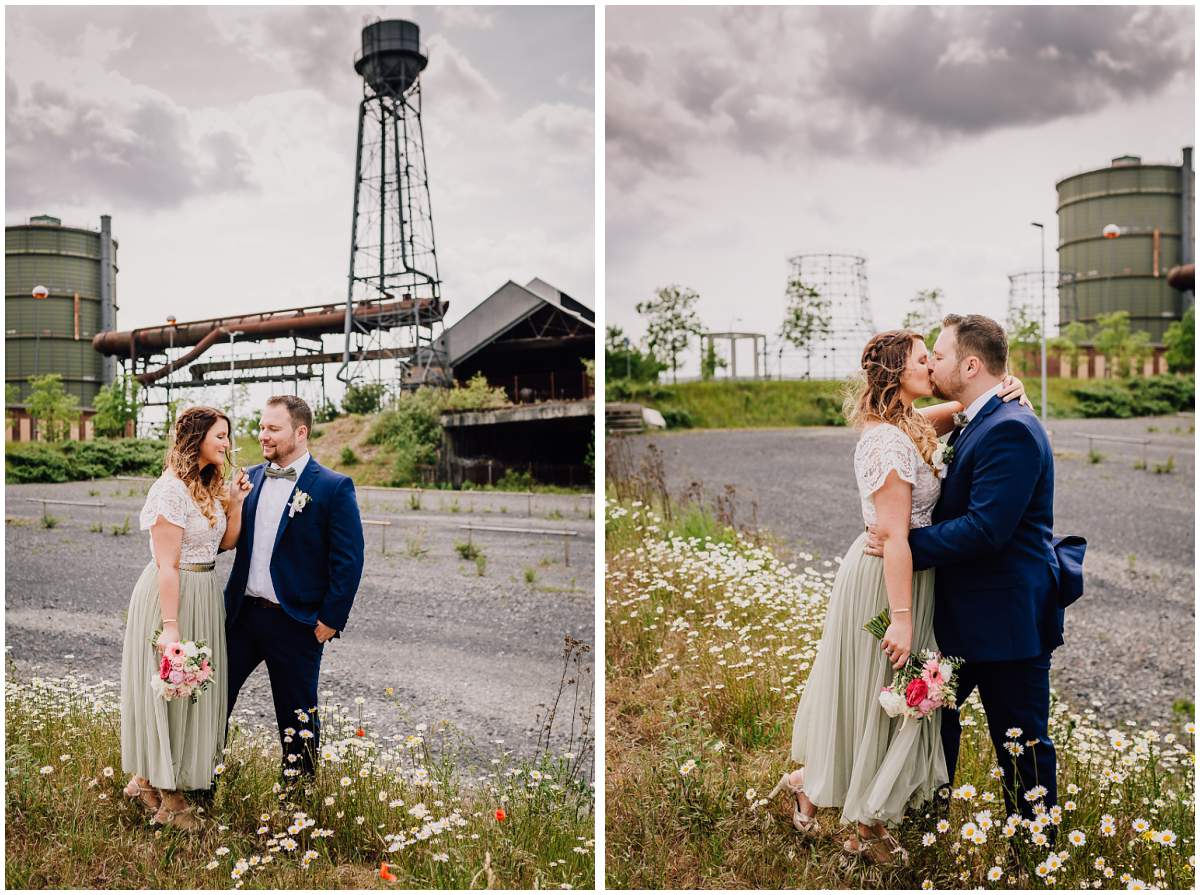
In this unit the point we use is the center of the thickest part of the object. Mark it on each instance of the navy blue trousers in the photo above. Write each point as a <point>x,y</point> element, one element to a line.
<point>293,656</point>
<point>1014,694</point>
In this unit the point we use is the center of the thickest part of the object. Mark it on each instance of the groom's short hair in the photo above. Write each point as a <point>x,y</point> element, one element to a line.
<point>982,337</point>
<point>297,409</point>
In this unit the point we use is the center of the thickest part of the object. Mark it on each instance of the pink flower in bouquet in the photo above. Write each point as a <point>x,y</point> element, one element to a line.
<point>176,676</point>
<point>926,706</point>
<point>165,668</point>
<point>204,664</point>
<point>175,651</point>
<point>915,692</point>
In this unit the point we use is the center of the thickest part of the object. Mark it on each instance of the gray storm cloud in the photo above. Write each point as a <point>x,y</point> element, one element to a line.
<point>849,80</point>
<point>141,154</point>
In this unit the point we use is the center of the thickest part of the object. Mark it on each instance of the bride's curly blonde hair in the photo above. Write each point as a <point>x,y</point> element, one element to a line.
<point>207,486</point>
<point>874,394</point>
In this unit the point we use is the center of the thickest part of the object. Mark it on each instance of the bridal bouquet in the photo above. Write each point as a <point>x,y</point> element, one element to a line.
<point>925,683</point>
<point>184,671</point>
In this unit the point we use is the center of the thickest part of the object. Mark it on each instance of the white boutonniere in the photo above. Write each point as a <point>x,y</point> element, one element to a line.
<point>941,460</point>
<point>299,501</point>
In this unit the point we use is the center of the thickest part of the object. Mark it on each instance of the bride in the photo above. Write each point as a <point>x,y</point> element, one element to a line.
<point>854,756</point>
<point>169,747</point>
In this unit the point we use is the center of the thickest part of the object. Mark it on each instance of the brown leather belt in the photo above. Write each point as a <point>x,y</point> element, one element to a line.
<point>263,601</point>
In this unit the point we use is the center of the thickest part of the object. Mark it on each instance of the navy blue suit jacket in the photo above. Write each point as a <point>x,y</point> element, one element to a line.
<point>997,574</point>
<point>318,558</point>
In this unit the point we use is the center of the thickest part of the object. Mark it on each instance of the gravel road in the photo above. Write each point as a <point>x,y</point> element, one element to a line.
<point>1136,621</point>
<point>481,651</point>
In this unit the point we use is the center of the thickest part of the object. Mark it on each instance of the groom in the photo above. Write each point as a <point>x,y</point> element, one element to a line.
<point>299,561</point>
<point>998,577</point>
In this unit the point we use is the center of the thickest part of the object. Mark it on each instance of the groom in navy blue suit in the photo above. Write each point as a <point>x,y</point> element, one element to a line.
<point>998,577</point>
<point>299,562</point>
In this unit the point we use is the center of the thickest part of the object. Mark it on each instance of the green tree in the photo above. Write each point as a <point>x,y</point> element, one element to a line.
<point>1024,337</point>
<point>925,314</point>
<point>1068,344</point>
<point>710,362</point>
<point>1180,339</point>
<point>623,361</point>
<point>12,397</point>
<point>807,318</point>
<point>672,322</point>
<point>1112,341</point>
<point>52,407</point>
<point>365,398</point>
<point>117,404</point>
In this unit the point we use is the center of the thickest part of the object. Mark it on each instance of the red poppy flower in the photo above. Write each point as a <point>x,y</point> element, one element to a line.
<point>360,733</point>
<point>386,874</point>
<point>500,815</point>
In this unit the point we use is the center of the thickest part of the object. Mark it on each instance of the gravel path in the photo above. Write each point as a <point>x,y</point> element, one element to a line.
<point>483,652</point>
<point>1136,620</point>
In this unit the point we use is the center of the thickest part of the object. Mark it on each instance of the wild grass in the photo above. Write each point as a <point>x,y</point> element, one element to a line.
<point>709,640</point>
<point>408,801</point>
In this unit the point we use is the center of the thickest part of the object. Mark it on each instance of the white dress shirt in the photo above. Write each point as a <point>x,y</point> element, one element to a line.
<point>272,501</point>
<point>977,404</point>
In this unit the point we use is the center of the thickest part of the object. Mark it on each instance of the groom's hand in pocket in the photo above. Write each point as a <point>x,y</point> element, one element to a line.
<point>323,631</point>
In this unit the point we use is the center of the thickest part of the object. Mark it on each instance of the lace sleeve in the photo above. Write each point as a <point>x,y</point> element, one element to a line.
<point>879,453</point>
<point>168,498</point>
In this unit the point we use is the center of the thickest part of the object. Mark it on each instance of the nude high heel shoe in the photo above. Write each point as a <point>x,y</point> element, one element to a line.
<point>147,795</point>
<point>802,822</point>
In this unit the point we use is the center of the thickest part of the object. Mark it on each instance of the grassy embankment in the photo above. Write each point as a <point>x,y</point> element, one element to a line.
<point>726,404</point>
<point>405,801</point>
<point>709,640</point>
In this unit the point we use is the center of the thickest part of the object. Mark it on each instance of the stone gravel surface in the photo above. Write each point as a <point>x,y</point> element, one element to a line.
<point>1130,640</point>
<point>482,651</point>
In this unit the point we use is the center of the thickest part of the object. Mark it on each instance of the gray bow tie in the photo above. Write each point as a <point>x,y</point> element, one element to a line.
<point>273,472</point>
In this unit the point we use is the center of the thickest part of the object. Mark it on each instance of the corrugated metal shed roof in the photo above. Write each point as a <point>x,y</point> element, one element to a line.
<point>503,309</point>
<point>559,298</point>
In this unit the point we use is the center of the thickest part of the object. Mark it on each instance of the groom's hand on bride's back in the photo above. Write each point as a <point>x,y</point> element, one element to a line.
<point>874,542</point>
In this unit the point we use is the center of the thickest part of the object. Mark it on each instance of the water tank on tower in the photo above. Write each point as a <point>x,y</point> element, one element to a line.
<point>393,259</point>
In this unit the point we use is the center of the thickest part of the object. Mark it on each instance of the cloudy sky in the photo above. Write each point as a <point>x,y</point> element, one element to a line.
<point>925,139</point>
<point>222,141</point>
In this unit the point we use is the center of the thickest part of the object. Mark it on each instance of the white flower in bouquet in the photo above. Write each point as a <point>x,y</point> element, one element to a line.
<point>893,703</point>
<point>947,670</point>
<point>190,649</point>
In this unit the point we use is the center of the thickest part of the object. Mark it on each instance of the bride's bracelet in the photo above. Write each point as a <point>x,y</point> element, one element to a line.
<point>897,611</point>
<point>167,621</point>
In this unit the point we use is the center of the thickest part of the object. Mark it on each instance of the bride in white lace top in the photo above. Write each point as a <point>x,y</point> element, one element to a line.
<point>883,449</point>
<point>169,498</point>
<point>169,747</point>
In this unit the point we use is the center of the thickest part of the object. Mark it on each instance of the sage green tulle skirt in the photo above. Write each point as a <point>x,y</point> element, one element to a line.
<point>855,757</point>
<point>176,744</point>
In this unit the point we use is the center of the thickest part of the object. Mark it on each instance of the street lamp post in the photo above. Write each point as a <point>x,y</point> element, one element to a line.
<point>232,394</point>
<point>171,336</point>
<point>40,293</point>
<point>1043,325</point>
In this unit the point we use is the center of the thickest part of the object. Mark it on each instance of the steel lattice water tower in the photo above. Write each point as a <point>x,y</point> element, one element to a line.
<point>392,253</point>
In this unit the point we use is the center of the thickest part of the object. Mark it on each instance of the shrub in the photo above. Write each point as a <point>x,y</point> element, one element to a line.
<point>1151,396</point>
<point>349,458</point>
<point>678,418</point>
<point>73,461</point>
<point>366,398</point>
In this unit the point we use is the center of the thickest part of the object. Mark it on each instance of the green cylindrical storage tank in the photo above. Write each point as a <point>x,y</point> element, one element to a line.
<point>54,334</point>
<point>1120,229</point>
